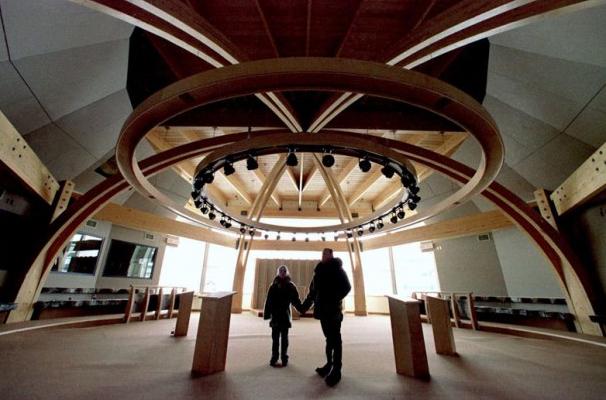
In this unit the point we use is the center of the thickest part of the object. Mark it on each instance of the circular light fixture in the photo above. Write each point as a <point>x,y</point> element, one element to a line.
<point>401,213</point>
<point>394,219</point>
<point>251,163</point>
<point>292,160</point>
<point>371,228</point>
<point>380,224</point>
<point>211,215</point>
<point>242,229</point>
<point>388,171</point>
<point>360,231</point>
<point>412,206</point>
<point>228,168</point>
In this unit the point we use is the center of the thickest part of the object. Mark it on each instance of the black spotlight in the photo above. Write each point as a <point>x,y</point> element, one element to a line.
<point>251,232</point>
<point>414,189</point>
<point>349,234</point>
<point>388,171</point>
<point>278,236</point>
<point>415,198</point>
<point>306,239</point>
<point>412,206</point>
<point>195,194</point>
<point>336,236</point>
<point>228,223</point>
<point>380,224</point>
<point>323,238</point>
<point>208,177</point>
<point>222,222</point>
<point>292,160</point>
<point>394,219</point>
<point>228,168</point>
<point>360,231</point>
<point>211,215</point>
<point>204,209</point>
<point>328,160</point>
<point>406,180</point>
<point>198,183</point>
<point>371,228</point>
<point>266,236</point>
<point>198,203</point>
<point>364,165</point>
<point>401,213</point>
<point>251,163</point>
<point>242,229</point>
<point>294,239</point>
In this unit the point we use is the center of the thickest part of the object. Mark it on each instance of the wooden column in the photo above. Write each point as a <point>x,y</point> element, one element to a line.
<point>210,352</point>
<point>408,341</point>
<point>455,310</point>
<point>159,305</point>
<point>185,302</point>
<point>392,270</point>
<point>129,304</point>
<point>171,303</point>
<point>440,324</point>
<point>471,309</point>
<point>145,304</point>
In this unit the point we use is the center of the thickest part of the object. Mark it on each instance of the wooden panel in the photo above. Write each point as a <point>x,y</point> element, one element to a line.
<point>61,201</point>
<point>171,303</point>
<point>407,334</point>
<point>159,305</point>
<point>584,183</point>
<point>440,324</point>
<point>18,157</point>
<point>545,206</point>
<point>185,303</point>
<point>145,304</point>
<point>210,352</point>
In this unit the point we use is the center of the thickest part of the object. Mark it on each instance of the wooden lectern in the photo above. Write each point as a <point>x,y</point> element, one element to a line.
<point>408,342</point>
<point>440,324</point>
<point>210,352</point>
<point>185,302</point>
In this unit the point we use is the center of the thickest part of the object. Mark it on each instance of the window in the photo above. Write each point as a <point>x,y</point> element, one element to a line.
<point>415,269</point>
<point>220,268</point>
<point>377,272</point>
<point>80,255</point>
<point>130,260</point>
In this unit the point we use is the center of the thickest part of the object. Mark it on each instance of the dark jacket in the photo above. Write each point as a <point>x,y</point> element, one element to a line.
<point>327,289</point>
<point>280,295</point>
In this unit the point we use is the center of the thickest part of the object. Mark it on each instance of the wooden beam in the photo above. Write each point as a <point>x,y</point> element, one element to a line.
<point>62,197</point>
<point>292,178</point>
<point>237,185</point>
<point>447,148</point>
<point>312,174</point>
<point>275,197</point>
<point>449,229</point>
<point>584,184</point>
<point>22,161</point>
<point>545,207</point>
<point>301,166</point>
<point>343,175</point>
<point>375,177</point>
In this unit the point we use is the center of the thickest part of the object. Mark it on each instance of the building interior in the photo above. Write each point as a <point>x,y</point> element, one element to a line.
<point>159,158</point>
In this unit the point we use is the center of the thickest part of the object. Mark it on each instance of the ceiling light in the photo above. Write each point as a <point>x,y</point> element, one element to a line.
<point>251,232</point>
<point>401,213</point>
<point>278,236</point>
<point>394,219</point>
<point>412,206</point>
<point>371,228</point>
<point>211,215</point>
<point>228,168</point>
<point>360,231</point>
<point>292,160</point>
<point>414,189</point>
<point>198,203</point>
<point>349,235</point>
<point>251,163</point>
<point>364,165</point>
<point>198,184</point>
<point>204,209</point>
<point>380,224</point>
<point>414,198</point>
<point>328,160</point>
<point>388,171</point>
<point>266,236</point>
<point>242,229</point>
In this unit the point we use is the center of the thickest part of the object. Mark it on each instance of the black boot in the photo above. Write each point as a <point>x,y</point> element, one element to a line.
<point>325,370</point>
<point>284,361</point>
<point>334,377</point>
<point>273,361</point>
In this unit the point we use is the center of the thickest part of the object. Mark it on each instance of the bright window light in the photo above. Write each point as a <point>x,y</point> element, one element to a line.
<point>182,265</point>
<point>415,270</point>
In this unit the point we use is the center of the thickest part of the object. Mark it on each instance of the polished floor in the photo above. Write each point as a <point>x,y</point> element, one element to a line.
<point>142,361</point>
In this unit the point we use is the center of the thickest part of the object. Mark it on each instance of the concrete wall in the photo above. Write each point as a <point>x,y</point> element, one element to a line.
<point>527,273</point>
<point>469,265</point>
<point>77,280</point>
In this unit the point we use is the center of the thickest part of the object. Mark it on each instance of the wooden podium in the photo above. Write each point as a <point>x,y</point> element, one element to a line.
<point>408,341</point>
<point>210,352</point>
<point>440,324</point>
<point>185,302</point>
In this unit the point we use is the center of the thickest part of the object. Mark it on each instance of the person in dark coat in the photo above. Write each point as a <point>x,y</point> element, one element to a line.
<point>328,288</point>
<point>281,294</point>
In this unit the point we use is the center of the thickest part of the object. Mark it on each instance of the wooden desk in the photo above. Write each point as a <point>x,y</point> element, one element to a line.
<point>440,324</point>
<point>408,341</point>
<point>210,352</point>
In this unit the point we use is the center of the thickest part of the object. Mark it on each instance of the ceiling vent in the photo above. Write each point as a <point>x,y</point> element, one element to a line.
<point>485,236</point>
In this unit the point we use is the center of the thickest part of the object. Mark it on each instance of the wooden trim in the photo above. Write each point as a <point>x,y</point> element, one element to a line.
<point>22,161</point>
<point>545,206</point>
<point>583,184</point>
<point>62,197</point>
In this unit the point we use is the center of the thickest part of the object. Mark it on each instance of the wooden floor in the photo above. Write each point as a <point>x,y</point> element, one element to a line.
<point>142,361</point>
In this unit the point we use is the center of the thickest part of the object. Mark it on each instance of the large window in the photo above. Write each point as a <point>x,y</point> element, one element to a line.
<point>377,273</point>
<point>221,265</point>
<point>81,255</point>
<point>415,269</point>
<point>182,265</point>
<point>130,260</point>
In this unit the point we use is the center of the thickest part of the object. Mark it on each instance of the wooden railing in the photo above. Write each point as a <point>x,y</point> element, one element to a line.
<point>149,291</point>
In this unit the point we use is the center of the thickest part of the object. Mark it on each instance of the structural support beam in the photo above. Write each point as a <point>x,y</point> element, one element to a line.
<point>62,197</point>
<point>343,175</point>
<point>262,178</point>
<point>22,161</point>
<point>545,206</point>
<point>584,183</point>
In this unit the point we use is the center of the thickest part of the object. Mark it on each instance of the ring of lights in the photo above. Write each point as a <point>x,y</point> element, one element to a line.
<point>314,74</point>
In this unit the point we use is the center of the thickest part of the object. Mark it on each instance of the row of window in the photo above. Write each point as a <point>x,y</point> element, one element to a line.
<point>124,259</point>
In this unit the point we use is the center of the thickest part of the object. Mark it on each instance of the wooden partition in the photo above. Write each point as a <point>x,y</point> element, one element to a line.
<point>210,352</point>
<point>186,301</point>
<point>143,301</point>
<point>408,341</point>
<point>301,273</point>
<point>440,324</point>
<point>454,306</point>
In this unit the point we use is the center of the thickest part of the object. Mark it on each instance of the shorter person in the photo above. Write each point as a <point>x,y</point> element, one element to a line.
<point>281,294</point>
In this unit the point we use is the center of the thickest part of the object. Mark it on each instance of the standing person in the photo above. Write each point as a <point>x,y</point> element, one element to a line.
<point>280,295</point>
<point>328,287</point>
